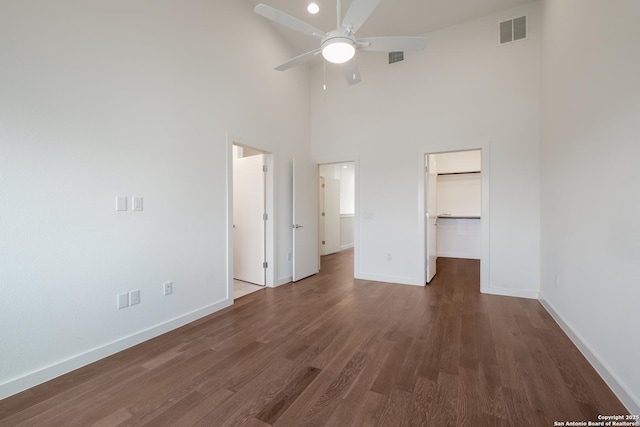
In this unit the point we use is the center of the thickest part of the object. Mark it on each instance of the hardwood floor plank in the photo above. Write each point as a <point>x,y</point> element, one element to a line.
<point>422,398</point>
<point>281,402</point>
<point>377,350</point>
<point>247,402</point>
<point>396,409</point>
<point>198,412</point>
<point>320,412</point>
<point>386,377</point>
<point>370,410</point>
<point>331,350</point>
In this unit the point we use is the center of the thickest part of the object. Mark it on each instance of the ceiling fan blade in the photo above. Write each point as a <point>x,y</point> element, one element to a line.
<point>351,72</point>
<point>301,59</point>
<point>358,13</point>
<point>288,21</point>
<point>392,44</point>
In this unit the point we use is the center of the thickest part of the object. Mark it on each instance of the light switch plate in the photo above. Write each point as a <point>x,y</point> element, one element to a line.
<point>123,300</point>
<point>121,203</point>
<point>137,203</point>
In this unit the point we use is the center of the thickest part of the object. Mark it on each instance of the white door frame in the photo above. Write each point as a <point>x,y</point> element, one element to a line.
<point>356,219</point>
<point>270,197</point>
<point>484,218</point>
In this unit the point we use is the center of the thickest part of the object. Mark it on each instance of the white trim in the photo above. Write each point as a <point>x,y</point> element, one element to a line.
<point>458,255</point>
<point>52,371</point>
<point>510,292</point>
<point>626,396</point>
<point>349,246</point>
<point>284,280</point>
<point>390,279</point>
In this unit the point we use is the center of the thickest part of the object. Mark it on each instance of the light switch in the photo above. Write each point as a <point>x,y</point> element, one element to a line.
<point>137,203</point>
<point>121,203</point>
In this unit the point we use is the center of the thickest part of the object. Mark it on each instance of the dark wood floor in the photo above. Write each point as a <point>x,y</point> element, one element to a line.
<point>331,350</point>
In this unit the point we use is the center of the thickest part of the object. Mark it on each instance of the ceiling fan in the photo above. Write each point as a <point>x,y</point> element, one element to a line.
<point>339,46</point>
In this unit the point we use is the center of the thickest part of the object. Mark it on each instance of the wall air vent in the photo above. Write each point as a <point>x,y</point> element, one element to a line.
<point>396,57</point>
<point>513,30</point>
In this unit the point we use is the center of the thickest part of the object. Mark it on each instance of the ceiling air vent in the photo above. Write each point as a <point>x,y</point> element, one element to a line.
<point>513,30</point>
<point>396,57</point>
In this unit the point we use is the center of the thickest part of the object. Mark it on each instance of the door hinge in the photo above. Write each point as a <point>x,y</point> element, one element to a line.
<point>265,265</point>
<point>426,169</point>
<point>322,186</point>
<point>265,216</point>
<point>324,243</point>
<point>265,168</point>
<point>323,214</point>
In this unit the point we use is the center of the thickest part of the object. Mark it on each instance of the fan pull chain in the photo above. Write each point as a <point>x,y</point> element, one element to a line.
<point>324,75</point>
<point>355,67</point>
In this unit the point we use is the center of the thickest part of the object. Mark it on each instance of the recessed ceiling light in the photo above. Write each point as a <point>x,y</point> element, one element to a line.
<point>313,8</point>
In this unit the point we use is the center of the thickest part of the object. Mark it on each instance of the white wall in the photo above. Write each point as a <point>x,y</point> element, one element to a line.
<point>101,99</point>
<point>590,203</point>
<point>347,231</point>
<point>347,189</point>
<point>459,195</point>
<point>464,92</point>
<point>460,161</point>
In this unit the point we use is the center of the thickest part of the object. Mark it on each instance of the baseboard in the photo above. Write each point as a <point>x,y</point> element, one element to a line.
<point>389,279</point>
<point>628,399</point>
<point>510,292</point>
<point>284,280</point>
<point>50,372</point>
<point>458,255</point>
<point>344,247</point>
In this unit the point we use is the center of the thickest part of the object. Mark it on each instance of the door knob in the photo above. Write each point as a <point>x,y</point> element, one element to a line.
<point>296,226</point>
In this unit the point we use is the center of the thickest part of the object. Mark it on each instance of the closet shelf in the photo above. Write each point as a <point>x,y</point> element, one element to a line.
<point>458,173</point>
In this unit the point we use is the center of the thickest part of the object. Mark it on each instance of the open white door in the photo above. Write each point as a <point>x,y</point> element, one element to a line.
<point>306,258</point>
<point>248,220</point>
<point>431,215</point>
<point>330,216</point>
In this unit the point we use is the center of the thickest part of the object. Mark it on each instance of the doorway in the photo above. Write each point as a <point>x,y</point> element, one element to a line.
<point>336,207</point>
<point>251,220</point>
<point>453,206</point>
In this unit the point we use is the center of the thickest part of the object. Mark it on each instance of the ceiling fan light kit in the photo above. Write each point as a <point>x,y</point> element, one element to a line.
<point>338,49</point>
<point>339,46</point>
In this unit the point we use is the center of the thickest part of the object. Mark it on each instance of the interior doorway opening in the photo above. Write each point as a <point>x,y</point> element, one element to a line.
<point>453,208</point>
<point>337,219</point>
<point>251,236</point>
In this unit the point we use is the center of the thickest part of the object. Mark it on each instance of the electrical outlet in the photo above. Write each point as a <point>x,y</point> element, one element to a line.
<point>289,256</point>
<point>134,297</point>
<point>123,301</point>
<point>557,282</point>
<point>168,288</point>
<point>389,256</point>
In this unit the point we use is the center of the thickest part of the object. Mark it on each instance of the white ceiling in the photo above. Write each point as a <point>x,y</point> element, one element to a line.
<point>391,17</point>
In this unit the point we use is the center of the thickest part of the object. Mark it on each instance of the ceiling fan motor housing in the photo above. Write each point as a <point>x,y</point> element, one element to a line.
<point>338,47</point>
